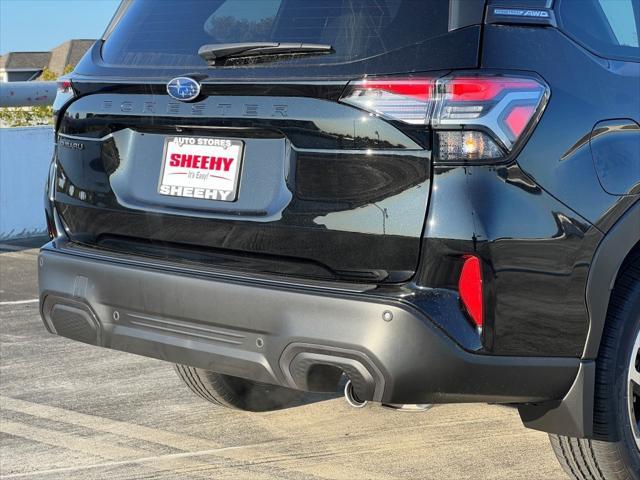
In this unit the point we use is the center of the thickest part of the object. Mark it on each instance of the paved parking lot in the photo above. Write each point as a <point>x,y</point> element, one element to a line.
<point>72,411</point>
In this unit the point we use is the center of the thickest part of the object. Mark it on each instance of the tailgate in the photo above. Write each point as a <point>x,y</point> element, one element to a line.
<point>319,192</point>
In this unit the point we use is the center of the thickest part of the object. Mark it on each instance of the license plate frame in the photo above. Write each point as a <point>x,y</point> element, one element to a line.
<point>205,168</point>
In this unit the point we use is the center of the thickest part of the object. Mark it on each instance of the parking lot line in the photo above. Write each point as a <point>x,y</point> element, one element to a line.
<point>138,432</point>
<point>143,460</point>
<point>20,302</point>
<point>69,441</point>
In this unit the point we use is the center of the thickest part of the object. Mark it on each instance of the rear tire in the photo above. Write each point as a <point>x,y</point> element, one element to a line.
<point>617,395</point>
<point>238,393</point>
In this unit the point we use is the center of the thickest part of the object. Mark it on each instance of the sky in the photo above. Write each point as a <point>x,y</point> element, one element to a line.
<point>40,25</point>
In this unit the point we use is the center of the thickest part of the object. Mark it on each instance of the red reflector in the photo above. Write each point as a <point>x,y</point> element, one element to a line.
<point>478,89</point>
<point>518,119</point>
<point>470,289</point>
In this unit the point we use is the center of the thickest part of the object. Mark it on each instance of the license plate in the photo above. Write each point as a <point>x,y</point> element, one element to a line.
<point>201,167</point>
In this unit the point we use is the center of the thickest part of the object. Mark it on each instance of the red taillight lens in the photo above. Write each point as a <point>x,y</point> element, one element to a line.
<point>64,86</point>
<point>418,88</point>
<point>51,227</point>
<point>482,89</point>
<point>470,289</point>
<point>476,117</point>
<point>64,94</point>
<point>408,100</point>
<point>518,118</point>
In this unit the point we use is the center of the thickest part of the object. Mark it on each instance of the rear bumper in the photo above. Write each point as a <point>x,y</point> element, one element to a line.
<point>280,334</point>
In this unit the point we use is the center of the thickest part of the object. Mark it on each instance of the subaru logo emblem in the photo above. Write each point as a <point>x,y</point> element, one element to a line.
<point>184,89</point>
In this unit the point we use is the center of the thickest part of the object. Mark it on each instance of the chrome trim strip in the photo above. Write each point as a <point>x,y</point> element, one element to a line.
<point>90,139</point>
<point>158,81</point>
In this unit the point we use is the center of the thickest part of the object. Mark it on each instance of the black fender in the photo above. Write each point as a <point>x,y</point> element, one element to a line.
<point>573,415</point>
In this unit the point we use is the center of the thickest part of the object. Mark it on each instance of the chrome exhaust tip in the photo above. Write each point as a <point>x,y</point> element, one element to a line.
<point>350,396</point>
<point>408,407</point>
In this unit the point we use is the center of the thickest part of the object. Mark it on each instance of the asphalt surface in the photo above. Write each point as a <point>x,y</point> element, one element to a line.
<point>73,411</point>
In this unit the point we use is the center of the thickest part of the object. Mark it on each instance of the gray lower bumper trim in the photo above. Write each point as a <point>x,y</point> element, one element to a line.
<point>277,335</point>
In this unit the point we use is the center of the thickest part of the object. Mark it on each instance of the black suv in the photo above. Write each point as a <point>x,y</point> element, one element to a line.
<point>436,200</point>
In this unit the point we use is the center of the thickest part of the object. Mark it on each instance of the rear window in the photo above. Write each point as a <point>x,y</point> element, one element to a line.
<point>608,28</point>
<point>169,32</point>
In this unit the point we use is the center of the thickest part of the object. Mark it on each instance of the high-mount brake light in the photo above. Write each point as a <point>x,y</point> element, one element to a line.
<point>476,118</point>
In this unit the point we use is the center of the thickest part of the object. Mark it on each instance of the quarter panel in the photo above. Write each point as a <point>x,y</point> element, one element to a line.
<point>535,254</point>
<point>585,90</point>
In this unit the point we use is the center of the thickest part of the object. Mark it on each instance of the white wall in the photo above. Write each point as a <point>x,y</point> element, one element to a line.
<point>25,155</point>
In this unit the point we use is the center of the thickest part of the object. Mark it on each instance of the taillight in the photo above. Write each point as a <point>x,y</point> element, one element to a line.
<point>65,86</point>
<point>470,289</point>
<point>408,100</point>
<point>476,118</point>
<point>64,94</point>
<point>484,117</point>
<point>51,227</point>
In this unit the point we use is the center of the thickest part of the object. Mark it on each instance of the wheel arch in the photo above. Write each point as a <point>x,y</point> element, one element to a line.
<point>620,242</point>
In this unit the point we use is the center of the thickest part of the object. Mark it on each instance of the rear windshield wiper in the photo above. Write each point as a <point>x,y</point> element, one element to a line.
<point>216,52</point>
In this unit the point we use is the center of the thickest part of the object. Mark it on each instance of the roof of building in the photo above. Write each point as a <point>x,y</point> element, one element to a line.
<point>25,60</point>
<point>67,53</point>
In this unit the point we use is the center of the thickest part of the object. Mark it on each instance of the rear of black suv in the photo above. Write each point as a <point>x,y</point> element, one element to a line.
<point>437,200</point>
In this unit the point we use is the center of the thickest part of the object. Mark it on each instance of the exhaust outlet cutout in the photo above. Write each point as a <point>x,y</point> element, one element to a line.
<point>350,396</point>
